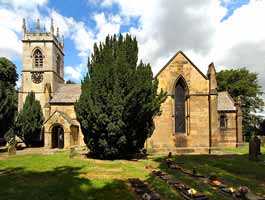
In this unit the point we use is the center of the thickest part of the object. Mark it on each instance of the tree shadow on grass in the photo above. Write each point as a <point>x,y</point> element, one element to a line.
<point>61,183</point>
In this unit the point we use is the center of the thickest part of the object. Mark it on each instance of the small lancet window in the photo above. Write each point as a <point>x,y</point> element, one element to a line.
<point>223,121</point>
<point>58,64</point>
<point>38,58</point>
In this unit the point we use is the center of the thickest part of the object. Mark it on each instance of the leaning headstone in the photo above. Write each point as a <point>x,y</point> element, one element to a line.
<point>11,150</point>
<point>12,147</point>
<point>73,153</point>
<point>253,148</point>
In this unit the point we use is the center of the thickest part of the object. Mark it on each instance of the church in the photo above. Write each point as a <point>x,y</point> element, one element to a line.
<point>194,118</point>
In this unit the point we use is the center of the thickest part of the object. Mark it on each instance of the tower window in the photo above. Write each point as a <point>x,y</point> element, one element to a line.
<point>38,58</point>
<point>223,121</point>
<point>58,64</point>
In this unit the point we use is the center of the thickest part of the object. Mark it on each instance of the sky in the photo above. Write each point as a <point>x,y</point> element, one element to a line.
<point>230,33</point>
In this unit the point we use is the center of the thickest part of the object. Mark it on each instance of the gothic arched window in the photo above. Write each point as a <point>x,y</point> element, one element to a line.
<point>180,93</point>
<point>58,64</point>
<point>38,58</point>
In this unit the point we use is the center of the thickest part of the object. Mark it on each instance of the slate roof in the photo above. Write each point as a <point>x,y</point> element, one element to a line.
<point>225,102</point>
<point>66,93</point>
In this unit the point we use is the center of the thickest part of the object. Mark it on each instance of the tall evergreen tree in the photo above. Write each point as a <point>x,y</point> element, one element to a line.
<point>119,99</point>
<point>8,96</point>
<point>243,83</point>
<point>29,121</point>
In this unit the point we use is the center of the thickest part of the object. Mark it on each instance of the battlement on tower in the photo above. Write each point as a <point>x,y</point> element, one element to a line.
<point>41,34</point>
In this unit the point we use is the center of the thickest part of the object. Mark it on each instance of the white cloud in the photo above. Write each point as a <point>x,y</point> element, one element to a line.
<point>195,27</point>
<point>105,26</point>
<point>25,4</point>
<point>10,46</point>
<point>74,73</point>
<point>164,28</point>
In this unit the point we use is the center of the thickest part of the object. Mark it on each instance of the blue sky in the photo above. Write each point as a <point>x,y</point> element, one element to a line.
<point>205,30</point>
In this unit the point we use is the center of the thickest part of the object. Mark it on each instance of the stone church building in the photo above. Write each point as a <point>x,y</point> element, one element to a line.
<point>194,116</point>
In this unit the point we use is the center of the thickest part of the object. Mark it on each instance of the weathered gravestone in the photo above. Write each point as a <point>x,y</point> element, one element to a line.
<point>257,141</point>
<point>254,148</point>
<point>73,153</point>
<point>12,147</point>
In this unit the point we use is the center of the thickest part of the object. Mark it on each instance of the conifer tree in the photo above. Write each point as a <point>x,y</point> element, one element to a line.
<point>119,99</point>
<point>29,121</point>
<point>8,97</point>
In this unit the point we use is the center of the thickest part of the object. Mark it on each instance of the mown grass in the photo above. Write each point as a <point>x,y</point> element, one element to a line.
<point>56,176</point>
<point>242,150</point>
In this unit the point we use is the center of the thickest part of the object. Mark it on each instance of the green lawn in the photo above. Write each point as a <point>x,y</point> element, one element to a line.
<point>56,176</point>
<point>242,150</point>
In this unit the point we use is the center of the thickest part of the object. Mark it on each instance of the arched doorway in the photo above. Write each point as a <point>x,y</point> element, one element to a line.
<point>180,95</point>
<point>58,137</point>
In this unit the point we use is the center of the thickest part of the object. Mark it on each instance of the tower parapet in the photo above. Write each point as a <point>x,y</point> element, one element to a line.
<point>37,34</point>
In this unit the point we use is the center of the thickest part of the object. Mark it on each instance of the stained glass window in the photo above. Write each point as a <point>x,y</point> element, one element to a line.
<point>180,108</point>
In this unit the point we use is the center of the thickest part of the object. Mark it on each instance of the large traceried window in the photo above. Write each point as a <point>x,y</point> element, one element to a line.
<point>38,58</point>
<point>180,95</point>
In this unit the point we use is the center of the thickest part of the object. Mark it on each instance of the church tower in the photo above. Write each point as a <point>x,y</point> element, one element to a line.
<point>42,62</point>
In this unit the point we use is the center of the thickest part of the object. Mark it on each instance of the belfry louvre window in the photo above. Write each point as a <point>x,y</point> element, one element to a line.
<point>38,58</point>
<point>58,63</point>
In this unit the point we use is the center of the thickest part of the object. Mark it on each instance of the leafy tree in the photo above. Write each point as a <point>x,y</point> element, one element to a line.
<point>8,96</point>
<point>243,83</point>
<point>29,121</point>
<point>8,72</point>
<point>70,82</point>
<point>119,99</point>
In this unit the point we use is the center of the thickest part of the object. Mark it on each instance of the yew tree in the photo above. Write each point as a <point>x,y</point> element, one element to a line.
<point>8,97</point>
<point>119,99</point>
<point>29,122</point>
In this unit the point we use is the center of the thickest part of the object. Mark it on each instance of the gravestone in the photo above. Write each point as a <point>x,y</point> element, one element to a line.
<point>11,150</point>
<point>257,141</point>
<point>262,140</point>
<point>254,148</point>
<point>12,147</point>
<point>73,153</point>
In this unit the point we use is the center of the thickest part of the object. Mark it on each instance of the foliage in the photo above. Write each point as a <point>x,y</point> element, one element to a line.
<point>262,127</point>
<point>119,99</point>
<point>70,82</point>
<point>8,72</point>
<point>8,96</point>
<point>244,84</point>
<point>29,121</point>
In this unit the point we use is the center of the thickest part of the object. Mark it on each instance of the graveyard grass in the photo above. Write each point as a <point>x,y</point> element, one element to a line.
<point>57,176</point>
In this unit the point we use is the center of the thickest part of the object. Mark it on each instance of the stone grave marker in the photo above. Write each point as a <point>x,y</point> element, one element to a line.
<point>12,147</point>
<point>11,150</point>
<point>254,148</point>
<point>73,153</point>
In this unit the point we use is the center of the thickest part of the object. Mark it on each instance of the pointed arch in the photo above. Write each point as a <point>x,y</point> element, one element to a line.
<point>38,57</point>
<point>181,92</point>
<point>181,80</point>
